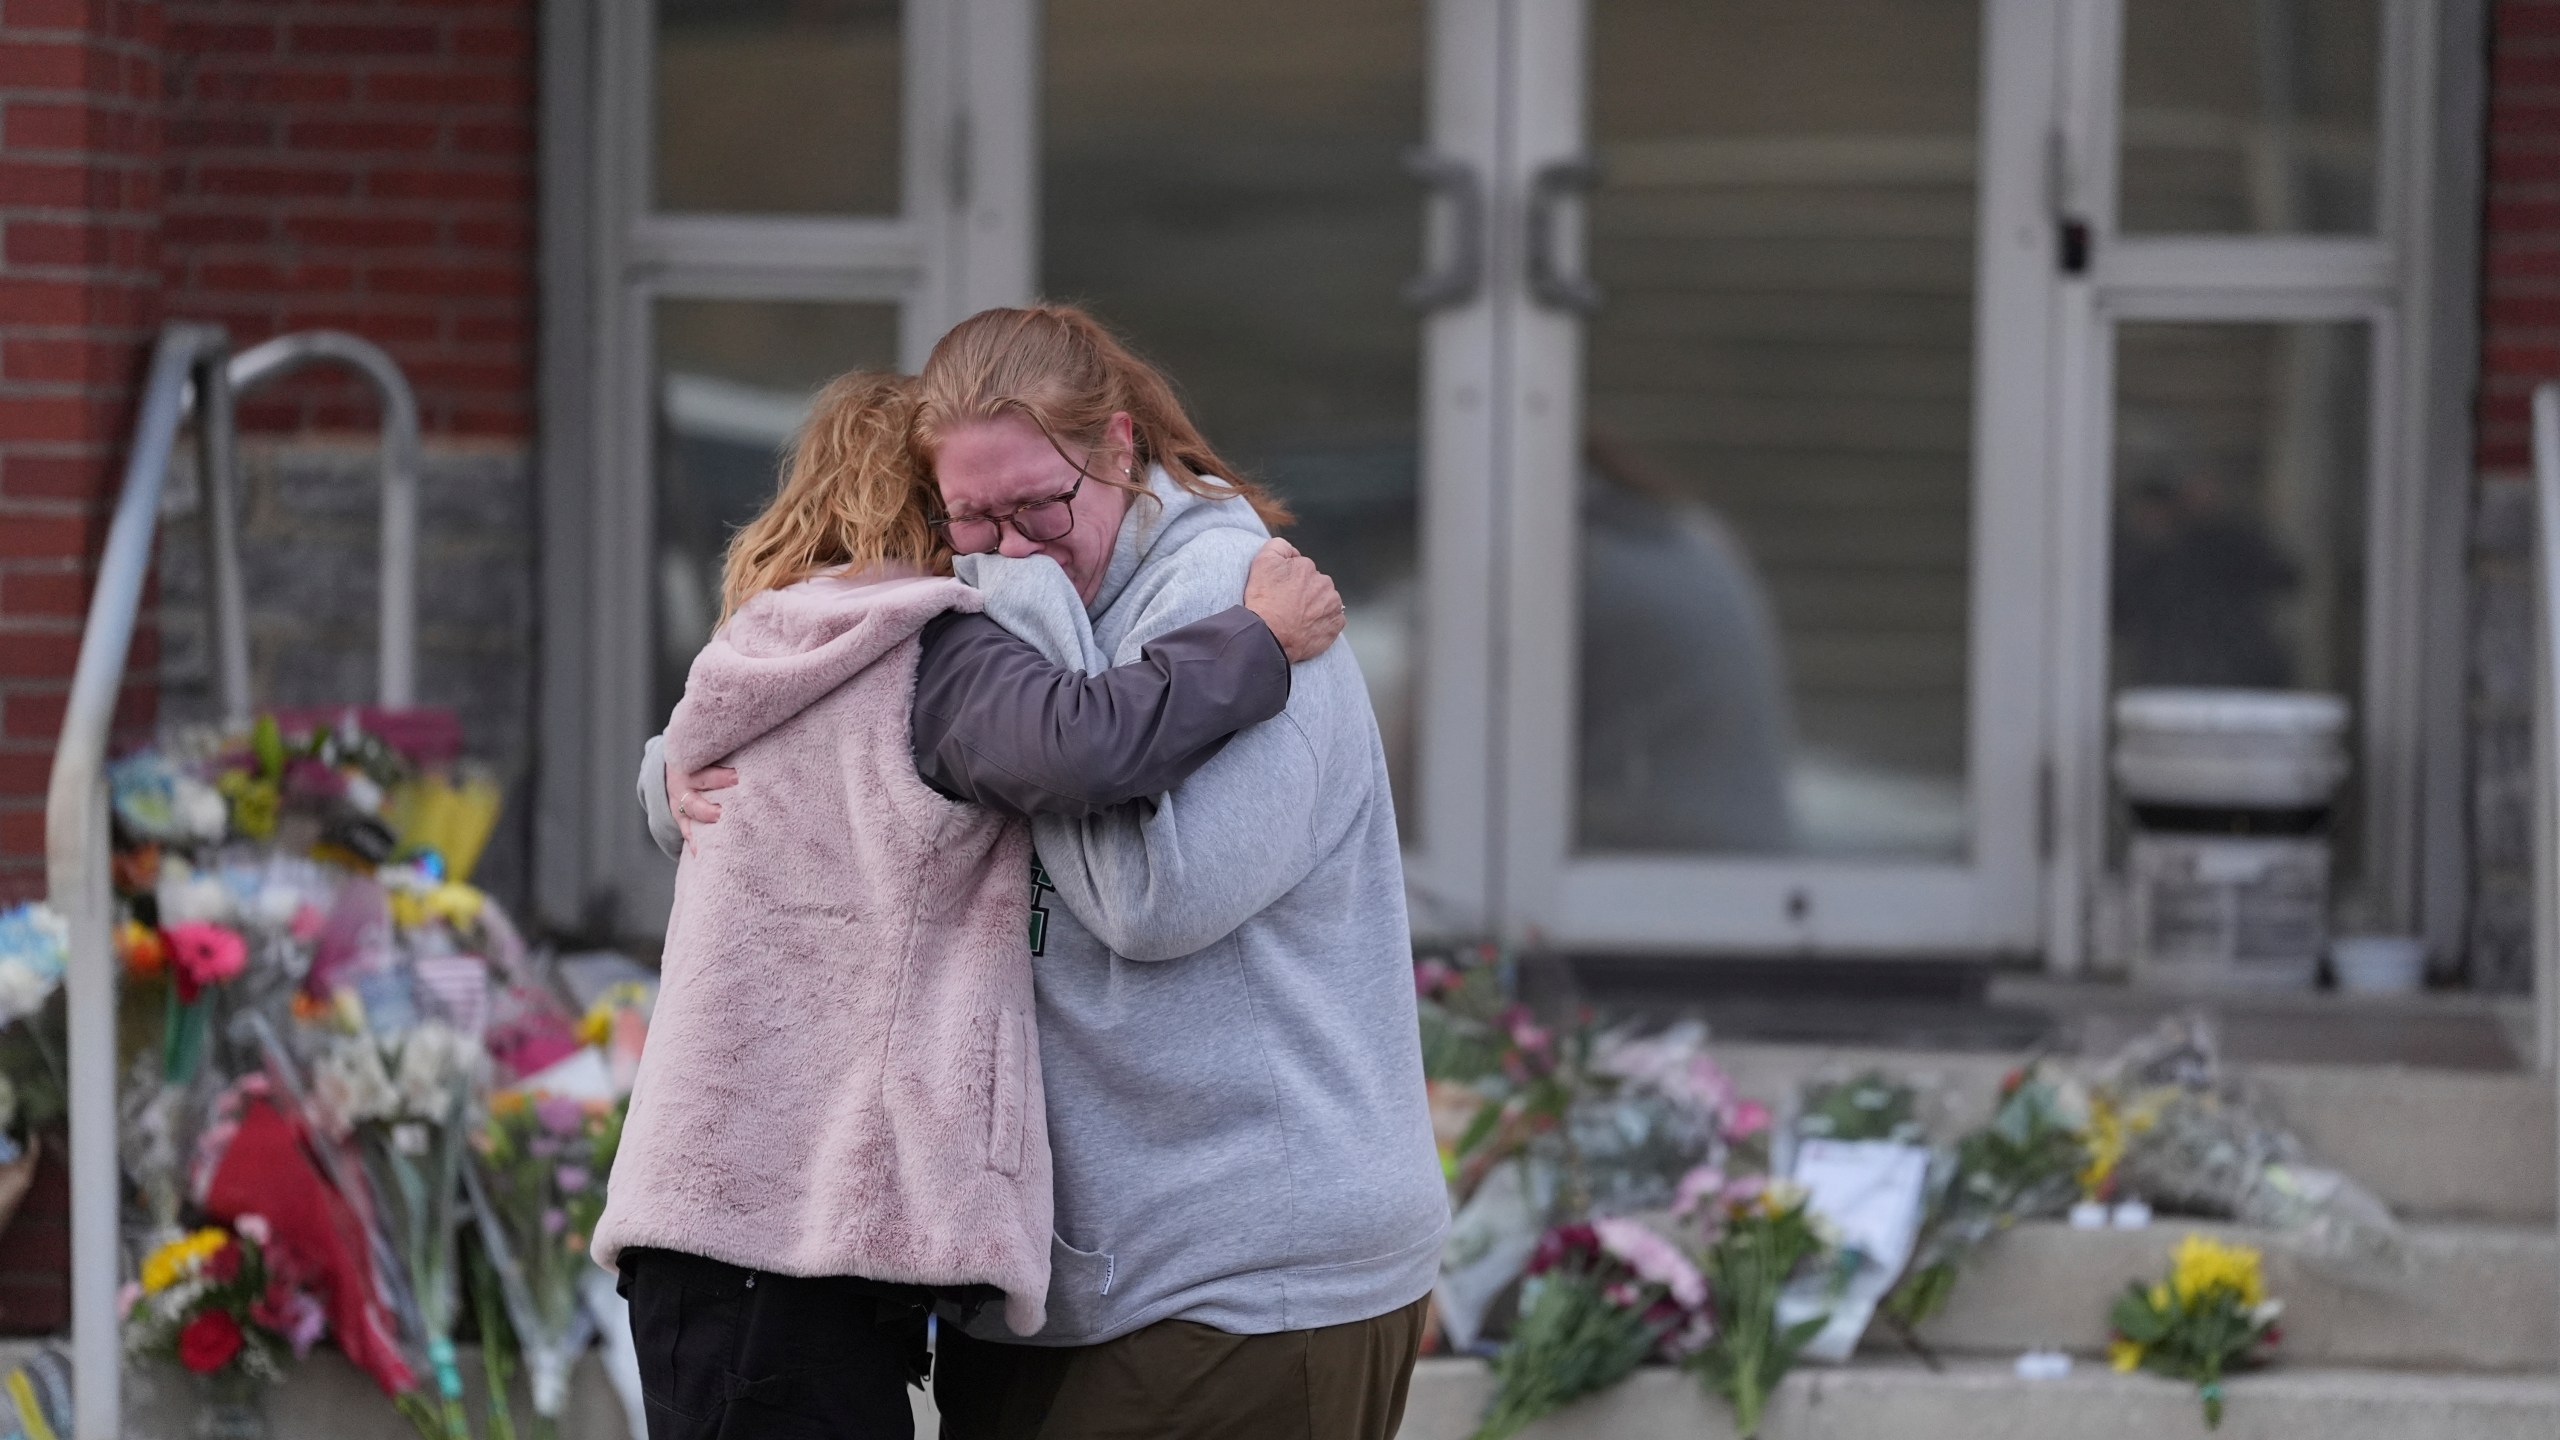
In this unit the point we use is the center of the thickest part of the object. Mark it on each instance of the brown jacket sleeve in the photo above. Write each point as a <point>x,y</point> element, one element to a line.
<point>996,723</point>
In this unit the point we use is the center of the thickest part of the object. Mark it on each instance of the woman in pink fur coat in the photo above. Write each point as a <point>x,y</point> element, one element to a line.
<point>839,1117</point>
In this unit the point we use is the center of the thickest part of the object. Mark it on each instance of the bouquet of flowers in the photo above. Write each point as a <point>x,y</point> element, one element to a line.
<point>2027,1163</point>
<point>2170,1126</point>
<point>2209,1317</point>
<point>1762,1234</point>
<point>1871,1106</point>
<point>1600,1297</point>
<point>208,1301</point>
<point>406,1100</point>
<point>537,1191</point>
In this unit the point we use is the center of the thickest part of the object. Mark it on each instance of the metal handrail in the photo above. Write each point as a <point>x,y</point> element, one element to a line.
<point>76,861</point>
<point>398,628</point>
<point>189,371</point>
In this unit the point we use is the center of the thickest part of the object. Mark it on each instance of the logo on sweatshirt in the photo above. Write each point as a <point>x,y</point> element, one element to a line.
<point>1040,889</point>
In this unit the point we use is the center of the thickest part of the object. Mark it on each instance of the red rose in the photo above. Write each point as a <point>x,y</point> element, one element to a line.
<point>223,1265</point>
<point>209,1342</point>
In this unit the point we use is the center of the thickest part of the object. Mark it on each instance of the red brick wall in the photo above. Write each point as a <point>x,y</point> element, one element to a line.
<point>364,166</point>
<point>2520,266</point>
<point>357,164</point>
<point>80,138</point>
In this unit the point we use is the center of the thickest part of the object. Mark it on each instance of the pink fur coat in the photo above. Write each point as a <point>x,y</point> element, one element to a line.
<point>842,1076</point>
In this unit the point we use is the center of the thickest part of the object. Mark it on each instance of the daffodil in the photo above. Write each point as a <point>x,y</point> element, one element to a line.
<point>2124,1355</point>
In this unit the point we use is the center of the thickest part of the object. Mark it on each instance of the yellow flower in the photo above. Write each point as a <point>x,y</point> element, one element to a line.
<point>2204,1267</point>
<point>455,903</point>
<point>2124,1355</point>
<point>1781,1196</point>
<point>176,1260</point>
<point>2160,1296</point>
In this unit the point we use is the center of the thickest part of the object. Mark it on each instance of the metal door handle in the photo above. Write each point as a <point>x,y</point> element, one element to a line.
<point>1548,189</point>
<point>1456,282</point>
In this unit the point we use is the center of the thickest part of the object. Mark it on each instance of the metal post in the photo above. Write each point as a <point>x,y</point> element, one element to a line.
<point>2546,728</point>
<point>218,482</point>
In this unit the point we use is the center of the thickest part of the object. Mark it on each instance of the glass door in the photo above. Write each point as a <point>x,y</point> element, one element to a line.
<point>2244,412</point>
<point>1251,195</point>
<point>1776,448</point>
<point>781,191</point>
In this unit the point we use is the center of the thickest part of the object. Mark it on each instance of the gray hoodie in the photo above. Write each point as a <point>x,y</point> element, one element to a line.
<point>1224,986</point>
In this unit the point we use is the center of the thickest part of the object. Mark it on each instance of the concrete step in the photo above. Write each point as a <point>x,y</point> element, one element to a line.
<point>2433,1144</point>
<point>325,1398</point>
<point>1985,1401</point>
<point>2479,1298</point>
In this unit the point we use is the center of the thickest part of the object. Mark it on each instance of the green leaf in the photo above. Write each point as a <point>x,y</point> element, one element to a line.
<point>266,744</point>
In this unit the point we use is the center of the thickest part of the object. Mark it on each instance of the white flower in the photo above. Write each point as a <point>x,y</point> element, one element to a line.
<point>197,810</point>
<point>439,1066</point>
<point>351,1084</point>
<point>23,989</point>
<point>185,895</point>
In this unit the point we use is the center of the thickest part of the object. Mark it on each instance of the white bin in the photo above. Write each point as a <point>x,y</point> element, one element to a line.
<point>2227,886</point>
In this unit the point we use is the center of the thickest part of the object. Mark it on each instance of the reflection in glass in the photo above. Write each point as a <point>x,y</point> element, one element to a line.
<point>2239,505</point>
<point>778,106</point>
<point>734,378</point>
<point>1777,470</point>
<point>2241,464</point>
<point>2249,116</point>
<point>1224,186</point>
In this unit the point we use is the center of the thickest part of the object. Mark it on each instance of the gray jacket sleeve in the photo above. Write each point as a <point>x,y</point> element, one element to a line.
<point>653,797</point>
<point>997,723</point>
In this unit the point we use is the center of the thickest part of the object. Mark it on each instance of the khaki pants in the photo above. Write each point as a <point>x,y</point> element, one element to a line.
<point>1175,1380</point>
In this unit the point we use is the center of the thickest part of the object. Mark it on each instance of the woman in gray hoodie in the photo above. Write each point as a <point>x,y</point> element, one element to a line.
<point>840,1115</point>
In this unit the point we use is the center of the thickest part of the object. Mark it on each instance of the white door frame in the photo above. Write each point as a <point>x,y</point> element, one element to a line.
<point>2386,279</point>
<point>1987,904</point>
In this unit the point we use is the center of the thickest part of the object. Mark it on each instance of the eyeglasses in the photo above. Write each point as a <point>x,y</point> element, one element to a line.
<point>1038,521</point>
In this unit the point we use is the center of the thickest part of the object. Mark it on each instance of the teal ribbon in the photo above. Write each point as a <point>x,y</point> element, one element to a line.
<point>448,1374</point>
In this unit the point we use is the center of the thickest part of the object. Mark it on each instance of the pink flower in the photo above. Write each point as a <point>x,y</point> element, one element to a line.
<point>554,1220</point>
<point>308,920</point>
<point>1698,1185</point>
<point>560,1115</point>
<point>255,1230</point>
<point>128,1295</point>
<point>1697,1334</point>
<point>1742,1190</point>
<point>1747,1118</point>
<point>1654,1258</point>
<point>572,1177</point>
<point>202,953</point>
<point>1434,977</point>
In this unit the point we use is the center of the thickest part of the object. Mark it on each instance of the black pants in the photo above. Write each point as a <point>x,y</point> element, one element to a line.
<point>731,1354</point>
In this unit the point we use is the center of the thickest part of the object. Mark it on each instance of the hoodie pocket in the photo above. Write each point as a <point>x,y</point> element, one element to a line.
<point>1011,1095</point>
